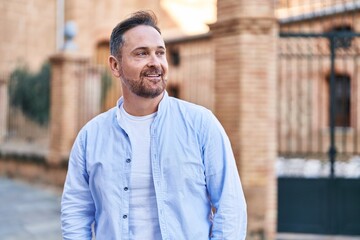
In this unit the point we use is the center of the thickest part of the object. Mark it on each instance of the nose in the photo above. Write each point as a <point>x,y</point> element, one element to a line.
<point>154,61</point>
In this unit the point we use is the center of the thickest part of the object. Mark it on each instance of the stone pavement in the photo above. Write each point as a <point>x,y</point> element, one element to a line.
<point>28,212</point>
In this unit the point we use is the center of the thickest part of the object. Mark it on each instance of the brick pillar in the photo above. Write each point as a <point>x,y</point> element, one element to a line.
<point>3,107</point>
<point>66,70</point>
<point>245,83</point>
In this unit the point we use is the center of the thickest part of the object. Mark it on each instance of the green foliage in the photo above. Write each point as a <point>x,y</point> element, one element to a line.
<point>31,92</point>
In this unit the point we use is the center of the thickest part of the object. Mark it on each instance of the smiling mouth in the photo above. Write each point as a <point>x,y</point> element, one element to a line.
<point>155,78</point>
<point>152,75</point>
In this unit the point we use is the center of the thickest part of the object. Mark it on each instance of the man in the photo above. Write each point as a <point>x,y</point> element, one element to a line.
<point>153,167</point>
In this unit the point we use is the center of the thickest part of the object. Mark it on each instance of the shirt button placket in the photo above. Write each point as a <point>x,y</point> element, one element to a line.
<point>126,189</point>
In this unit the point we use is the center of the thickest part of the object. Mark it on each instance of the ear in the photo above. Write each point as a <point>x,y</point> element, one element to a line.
<point>114,66</point>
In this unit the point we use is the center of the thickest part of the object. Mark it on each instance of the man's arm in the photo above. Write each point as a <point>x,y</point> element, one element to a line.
<point>77,206</point>
<point>223,184</point>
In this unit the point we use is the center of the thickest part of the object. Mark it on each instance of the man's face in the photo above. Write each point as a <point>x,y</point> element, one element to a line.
<point>143,64</point>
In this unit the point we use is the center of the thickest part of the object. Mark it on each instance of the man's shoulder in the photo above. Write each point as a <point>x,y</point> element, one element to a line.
<point>102,120</point>
<point>190,112</point>
<point>187,106</point>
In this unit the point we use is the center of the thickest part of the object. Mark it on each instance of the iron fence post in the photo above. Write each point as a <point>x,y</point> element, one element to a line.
<point>332,149</point>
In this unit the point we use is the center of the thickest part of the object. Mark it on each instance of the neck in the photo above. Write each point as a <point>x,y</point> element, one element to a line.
<point>140,106</point>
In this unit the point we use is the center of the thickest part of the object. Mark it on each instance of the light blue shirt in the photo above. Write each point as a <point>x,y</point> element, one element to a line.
<point>193,170</point>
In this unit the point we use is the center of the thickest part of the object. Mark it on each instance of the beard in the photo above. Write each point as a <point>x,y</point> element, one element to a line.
<point>143,87</point>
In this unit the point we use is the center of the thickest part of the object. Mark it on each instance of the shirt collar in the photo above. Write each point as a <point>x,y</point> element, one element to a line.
<point>162,105</point>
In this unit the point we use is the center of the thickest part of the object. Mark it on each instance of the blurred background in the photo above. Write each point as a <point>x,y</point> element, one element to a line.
<point>282,76</point>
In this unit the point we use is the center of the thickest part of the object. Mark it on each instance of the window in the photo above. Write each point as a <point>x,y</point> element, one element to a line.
<point>174,56</point>
<point>342,100</point>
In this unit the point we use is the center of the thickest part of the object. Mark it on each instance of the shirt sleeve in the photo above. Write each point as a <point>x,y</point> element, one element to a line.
<point>223,184</point>
<point>77,206</point>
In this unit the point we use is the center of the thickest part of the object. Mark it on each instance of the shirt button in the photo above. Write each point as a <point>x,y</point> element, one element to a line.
<point>128,160</point>
<point>126,188</point>
<point>124,216</point>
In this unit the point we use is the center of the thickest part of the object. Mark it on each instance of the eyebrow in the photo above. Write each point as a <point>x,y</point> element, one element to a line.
<point>147,48</point>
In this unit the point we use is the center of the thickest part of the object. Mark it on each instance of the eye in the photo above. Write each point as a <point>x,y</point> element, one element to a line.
<point>141,53</point>
<point>160,53</point>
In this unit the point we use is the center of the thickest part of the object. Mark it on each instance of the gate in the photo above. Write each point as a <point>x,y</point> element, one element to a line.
<point>319,205</point>
<point>319,118</point>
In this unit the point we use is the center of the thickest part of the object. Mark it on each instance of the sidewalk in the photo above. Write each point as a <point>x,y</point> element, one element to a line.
<point>28,212</point>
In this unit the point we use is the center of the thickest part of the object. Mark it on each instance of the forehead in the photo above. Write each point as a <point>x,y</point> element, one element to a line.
<point>143,36</point>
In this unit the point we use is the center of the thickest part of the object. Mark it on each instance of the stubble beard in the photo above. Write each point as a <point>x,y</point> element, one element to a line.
<point>140,87</point>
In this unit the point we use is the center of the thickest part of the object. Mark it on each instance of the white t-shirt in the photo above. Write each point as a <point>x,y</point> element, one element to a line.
<point>143,213</point>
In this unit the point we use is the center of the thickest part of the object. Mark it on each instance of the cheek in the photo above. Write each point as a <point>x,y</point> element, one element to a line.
<point>131,70</point>
<point>165,66</point>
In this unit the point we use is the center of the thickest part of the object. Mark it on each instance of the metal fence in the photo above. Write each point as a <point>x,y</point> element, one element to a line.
<point>191,69</point>
<point>24,111</point>
<point>97,92</point>
<point>26,102</point>
<point>318,79</point>
<point>304,96</point>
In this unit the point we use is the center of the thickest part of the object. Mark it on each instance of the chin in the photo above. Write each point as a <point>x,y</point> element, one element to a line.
<point>150,94</point>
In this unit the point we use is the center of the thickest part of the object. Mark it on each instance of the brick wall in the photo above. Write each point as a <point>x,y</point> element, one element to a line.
<point>29,27</point>
<point>245,81</point>
<point>96,19</point>
<point>65,78</point>
<point>28,32</point>
<point>34,169</point>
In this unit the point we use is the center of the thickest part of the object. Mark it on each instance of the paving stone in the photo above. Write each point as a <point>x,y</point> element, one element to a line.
<point>28,212</point>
